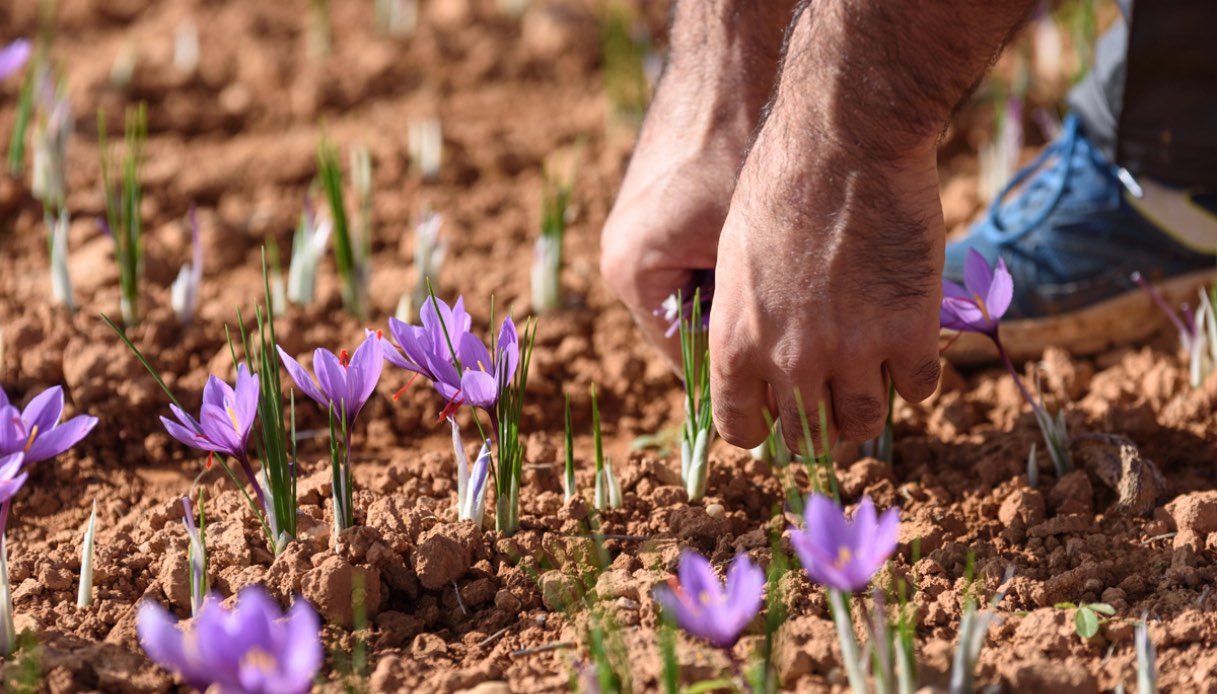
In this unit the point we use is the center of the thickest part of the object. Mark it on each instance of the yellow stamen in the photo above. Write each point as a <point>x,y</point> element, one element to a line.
<point>480,366</point>
<point>843,557</point>
<point>980,304</point>
<point>33,435</point>
<point>260,660</point>
<point>704,597</point>
<point>232,417</point>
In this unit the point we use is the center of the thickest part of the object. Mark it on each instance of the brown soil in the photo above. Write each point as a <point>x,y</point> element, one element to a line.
<point>449,604</point>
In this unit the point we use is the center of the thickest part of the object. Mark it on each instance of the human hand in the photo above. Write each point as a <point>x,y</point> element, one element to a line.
<point>828,284</point>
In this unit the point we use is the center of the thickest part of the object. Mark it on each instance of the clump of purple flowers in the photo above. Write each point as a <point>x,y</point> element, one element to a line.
<point>250,649</point>
<point>977,307</point>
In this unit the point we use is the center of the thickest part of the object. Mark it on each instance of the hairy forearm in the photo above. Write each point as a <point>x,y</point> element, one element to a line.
<point>730,47</point>
<point>883,76</point>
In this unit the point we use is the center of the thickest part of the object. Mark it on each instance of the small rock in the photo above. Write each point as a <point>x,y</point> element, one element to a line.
<point>331,588</point>
<point>444,554</point>
<point>1023,504</point>
<point>428,646</point>
<point>1195,516</point>
<point>557,591</point>
<point>715,510</point>
<point>617,584</point>
<point>488,688</point>
<point>1054,676</point>
<point>506,601</point>
<point>1072,494</point>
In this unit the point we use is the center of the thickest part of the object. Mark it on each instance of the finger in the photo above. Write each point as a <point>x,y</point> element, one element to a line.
<point>915,370</point>
<point>739,395</point>
<point>643,292</point>
<point>859,402</point>
<point>799,407</point>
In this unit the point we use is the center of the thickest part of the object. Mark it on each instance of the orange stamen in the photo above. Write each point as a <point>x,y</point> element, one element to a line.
<point>33,435</point>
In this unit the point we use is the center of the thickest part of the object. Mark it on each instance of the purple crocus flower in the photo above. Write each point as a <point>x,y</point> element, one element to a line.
<point>982,301</point>
<point>427,350</point>
<point>673,310</point>
<point>250,649</point>
<point>224,423</point>
<point>483,373</point>
<point>13,56</point>
<point>36,431</point>
<point>700,605</point>
<point>12,477</point>
<point>844,553</point>
<point>344,382</point>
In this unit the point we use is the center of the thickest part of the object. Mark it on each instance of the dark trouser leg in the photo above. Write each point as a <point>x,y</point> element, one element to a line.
<point>1151,100</point>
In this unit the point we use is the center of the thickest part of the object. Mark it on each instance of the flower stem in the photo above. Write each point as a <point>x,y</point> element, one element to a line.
<point>1018,381</point>
<point>849,643</point>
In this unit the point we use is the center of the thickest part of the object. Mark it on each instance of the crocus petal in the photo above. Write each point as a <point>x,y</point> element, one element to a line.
<point>59,439</point>
<point>414,344</point>
<point>44,410</point>
<point>13,56</point>
<point>479,389</point>
<point>301,378</point>
<point>977,275</point>
<point>217,392</point>
<point>333,380</point>
<point>886,535</point>
<point>474,356</point>
<point>950,290</point>
<point>968,314</point>
<point>1001,291</point>
<point>245,399</point>
<point>10,487</point>
<point>477,482</point>
<point>698,579</point>
<point>364,370</point>
<point>824,524</point>
<point>220,435</point>
<point>165,644</point>
<point>181,433</point>
<point>302,653</point>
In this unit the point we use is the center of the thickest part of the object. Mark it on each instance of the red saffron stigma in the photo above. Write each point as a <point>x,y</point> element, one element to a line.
<point>380,334</point>
<point>344,358</point>
<point>453,405</point>
<point>403,388</point>
<point>210,459</point>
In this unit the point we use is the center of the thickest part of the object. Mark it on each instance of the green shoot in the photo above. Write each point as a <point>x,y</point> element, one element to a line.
<point>1147,669</point>
<point>822,461</point>
<point>350,253</point>
<point>25,108</point>
<point>568,478</point>
<point>624,56</point>
<point>510,412</point>
<point>608,490</point>
<point>120,181</point>
<point>698,429</point>
<point>84,595</point>
<point>547,262</point>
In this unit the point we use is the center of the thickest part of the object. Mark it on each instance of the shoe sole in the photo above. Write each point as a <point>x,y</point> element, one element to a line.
<point>1128,317</point>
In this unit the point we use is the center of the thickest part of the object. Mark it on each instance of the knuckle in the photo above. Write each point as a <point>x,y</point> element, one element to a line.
<point>859,416</point>
<point>923,379</point>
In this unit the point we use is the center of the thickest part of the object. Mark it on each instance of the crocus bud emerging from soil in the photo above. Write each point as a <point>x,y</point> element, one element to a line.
<point>36,431</point>
<point>702,606</point>
<point>982,301</point>
<point>13,56</point>
<point>250,649</point>
<point>185,290</point>
<point>308,245</point>
<point>61,280</point>
<point>844,553</point>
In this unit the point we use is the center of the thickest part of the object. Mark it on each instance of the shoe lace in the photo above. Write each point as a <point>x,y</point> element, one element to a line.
<point>1053,184</point>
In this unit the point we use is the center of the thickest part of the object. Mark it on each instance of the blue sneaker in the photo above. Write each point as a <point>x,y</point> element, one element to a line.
<point>1072,235</point>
